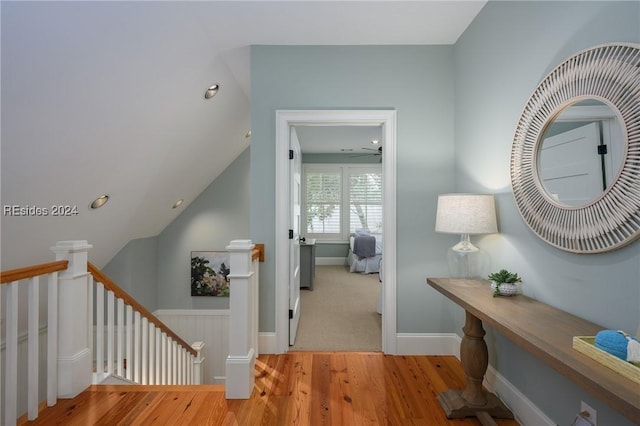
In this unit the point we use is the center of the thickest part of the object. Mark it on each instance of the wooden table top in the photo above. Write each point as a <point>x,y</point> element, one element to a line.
<point>547,333</point>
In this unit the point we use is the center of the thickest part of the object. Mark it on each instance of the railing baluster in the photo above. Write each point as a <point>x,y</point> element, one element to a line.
<point>89,317</point>
<point>145,352</point>
<point>110,331</point>
<point>158,354</point>
<point>11,355</point>
<point>120,337</point>
<point>136,347</point>
<point>52,339</point>
<point>152,353</point>
<point>183,362</point>
<point>33,348</point>
<point>188,365</point>
<point>165,360</point>
<point>174,364</point>
<point>99,331</point>
<point>186,362</point>
<point>179,350</point>
<point>128,337</point>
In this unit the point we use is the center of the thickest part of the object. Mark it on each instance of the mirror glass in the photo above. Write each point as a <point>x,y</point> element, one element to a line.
<point>581,152</point>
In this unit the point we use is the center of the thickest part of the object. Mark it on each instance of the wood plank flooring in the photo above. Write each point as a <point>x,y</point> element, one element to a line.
<point>298,388</point>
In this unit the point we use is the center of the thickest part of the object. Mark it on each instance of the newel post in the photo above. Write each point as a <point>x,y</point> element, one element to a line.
<point>198,371</point>
<point>74,321</point>
<point>241,360</point>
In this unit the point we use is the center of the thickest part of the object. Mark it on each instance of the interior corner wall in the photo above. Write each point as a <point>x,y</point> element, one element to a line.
<point>156,271</point>
<point>219,214</point>
<point>416,81</point>
<point>133,269</point>
<point>499,61</point>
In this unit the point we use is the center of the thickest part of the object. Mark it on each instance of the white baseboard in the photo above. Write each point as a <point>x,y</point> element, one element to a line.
<point>428,344</point>
<point>324,261</point>
<point>267,343</point>
<point>449,344</point>
<point>525,411</point>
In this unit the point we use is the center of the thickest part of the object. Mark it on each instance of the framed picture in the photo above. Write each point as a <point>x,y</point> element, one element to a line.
<point>210,273</point>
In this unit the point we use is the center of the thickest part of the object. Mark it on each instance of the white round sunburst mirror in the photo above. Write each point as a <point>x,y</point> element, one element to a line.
<point>575,158</point>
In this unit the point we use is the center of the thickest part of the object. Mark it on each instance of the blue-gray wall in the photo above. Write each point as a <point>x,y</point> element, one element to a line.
<point>134,269</point>
<point>416,81</point>
<point>499,61</point>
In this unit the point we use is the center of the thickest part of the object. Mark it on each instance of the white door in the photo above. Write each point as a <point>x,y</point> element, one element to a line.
<point>570,166</point>
<point>294,242</point>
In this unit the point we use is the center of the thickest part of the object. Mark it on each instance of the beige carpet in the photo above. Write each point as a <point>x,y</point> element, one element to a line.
<point>340,313</point>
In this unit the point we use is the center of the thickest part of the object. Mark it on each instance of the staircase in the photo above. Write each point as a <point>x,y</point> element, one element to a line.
<point>93,332</point>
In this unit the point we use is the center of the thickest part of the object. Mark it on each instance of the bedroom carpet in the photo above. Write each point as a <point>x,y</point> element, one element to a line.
<point>340,313</point>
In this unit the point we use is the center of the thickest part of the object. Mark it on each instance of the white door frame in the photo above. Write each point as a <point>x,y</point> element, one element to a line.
<point>284,120</point>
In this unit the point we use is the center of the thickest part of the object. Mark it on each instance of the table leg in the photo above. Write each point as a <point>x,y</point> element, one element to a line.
<point>473,400</point>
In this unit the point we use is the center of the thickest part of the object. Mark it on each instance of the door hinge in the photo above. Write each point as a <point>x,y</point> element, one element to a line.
<point>602,149</point>
<point>290,313</point>
<point>291,234</point>
<point>290,154</point>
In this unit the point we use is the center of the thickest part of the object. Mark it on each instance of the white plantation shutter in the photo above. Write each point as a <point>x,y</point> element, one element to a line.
<point>339,198</point>
<point>365,200</point>
<point>323,195</point>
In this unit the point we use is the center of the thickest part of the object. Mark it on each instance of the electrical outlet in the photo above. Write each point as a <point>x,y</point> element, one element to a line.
<point>593,416</point>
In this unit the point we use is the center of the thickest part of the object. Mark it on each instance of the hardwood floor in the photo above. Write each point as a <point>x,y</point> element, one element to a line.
<point>298,388</point>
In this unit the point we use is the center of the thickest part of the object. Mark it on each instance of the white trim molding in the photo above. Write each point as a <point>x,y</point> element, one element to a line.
<point>284,120</point>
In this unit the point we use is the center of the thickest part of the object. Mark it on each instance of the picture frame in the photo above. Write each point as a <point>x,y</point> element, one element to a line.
<point>210,273</point>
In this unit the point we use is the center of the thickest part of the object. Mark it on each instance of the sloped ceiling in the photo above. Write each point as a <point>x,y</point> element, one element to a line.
<point>107,98</point>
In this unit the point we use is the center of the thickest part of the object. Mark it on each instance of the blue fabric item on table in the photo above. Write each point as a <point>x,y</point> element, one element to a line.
<point>613,342</point>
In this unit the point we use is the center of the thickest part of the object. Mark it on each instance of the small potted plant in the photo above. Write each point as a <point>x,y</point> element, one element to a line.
<point>504,282</point>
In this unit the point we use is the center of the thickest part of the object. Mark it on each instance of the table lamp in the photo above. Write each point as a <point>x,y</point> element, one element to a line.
<point>466,214</point>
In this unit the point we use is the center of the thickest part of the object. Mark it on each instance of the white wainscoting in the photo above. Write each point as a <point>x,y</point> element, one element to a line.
<point>210,326</point>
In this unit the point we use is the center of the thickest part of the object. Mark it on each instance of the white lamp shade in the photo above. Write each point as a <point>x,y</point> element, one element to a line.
<point>466,214</point>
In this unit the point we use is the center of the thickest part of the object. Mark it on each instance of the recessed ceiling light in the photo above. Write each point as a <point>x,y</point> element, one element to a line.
<point>248,134</point>
<point>178,203</point>
<point>99,202</point>
<point>211,91</point>
<point>375,142</point>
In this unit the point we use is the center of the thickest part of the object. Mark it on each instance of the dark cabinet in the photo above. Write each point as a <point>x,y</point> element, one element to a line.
<point>307,263</point>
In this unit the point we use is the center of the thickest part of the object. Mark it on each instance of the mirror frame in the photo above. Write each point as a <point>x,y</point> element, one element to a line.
<point>609,73</point>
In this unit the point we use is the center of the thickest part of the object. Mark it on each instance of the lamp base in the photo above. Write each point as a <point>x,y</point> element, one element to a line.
<point>467,261</point>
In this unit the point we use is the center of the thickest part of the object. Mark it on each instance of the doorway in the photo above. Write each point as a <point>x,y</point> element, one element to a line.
<point>284,121</point>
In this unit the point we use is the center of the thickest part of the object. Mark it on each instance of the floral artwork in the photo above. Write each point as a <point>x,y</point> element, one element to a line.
<point>210,273</point>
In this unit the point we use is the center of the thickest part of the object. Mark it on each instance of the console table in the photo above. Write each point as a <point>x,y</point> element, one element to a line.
<point>543,330</point>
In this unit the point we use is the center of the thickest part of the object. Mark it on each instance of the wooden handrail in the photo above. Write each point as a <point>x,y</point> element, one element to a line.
<point>258,253</point>
<point>99,276</point>
<point>12,275</point>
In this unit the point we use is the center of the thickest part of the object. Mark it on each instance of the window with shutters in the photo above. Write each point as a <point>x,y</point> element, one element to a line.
<point>338,199</point>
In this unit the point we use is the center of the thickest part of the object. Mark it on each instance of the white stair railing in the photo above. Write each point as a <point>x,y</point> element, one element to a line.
<point>135,344</point>
<point>68,354</point>
<point>34,277</point>
<point>51,359</point>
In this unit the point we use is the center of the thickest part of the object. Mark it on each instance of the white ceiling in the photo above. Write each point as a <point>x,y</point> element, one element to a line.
<point>107,97</point>
<point>339,139</point>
